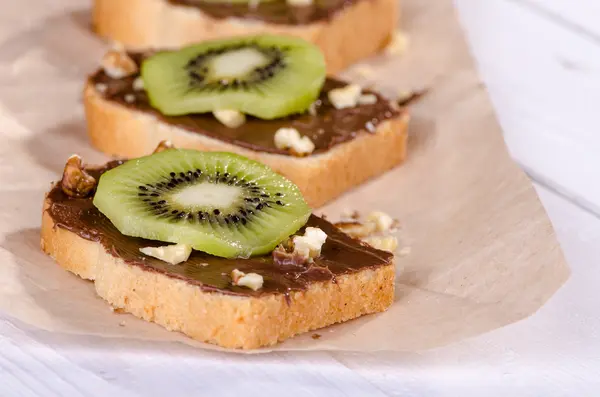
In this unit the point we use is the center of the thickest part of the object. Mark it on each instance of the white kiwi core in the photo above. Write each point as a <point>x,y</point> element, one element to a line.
<point>208,195</point>
<point>237,63</point>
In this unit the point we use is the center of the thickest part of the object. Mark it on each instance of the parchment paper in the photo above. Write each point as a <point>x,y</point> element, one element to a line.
<point>484,254</point>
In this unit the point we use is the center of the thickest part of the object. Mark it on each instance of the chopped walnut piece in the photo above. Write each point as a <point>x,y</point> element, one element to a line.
<point>117,64</point>
<point>76,182</point>
<point>254,281</point>
<point>290,139</point>
<point>375,230</point>
<point>288,257</point>
<point>300,250</point>
<point>345,97</point>
<point>230,118</point>
<point>383,222</point>
<point>173,254</point>
<point>310,244</point>
<point>384,243</point>
<point>356,229</point>
<point>163,145</point>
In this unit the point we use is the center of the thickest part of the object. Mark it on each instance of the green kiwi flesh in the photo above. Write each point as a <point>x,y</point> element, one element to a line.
<point>220,203</point>
<point>266,76</point>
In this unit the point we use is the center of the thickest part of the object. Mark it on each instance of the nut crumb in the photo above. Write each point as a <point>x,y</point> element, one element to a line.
<point>382,221</point>
<point>163,145</point>
<point>398,44</point>
<point>384,243</point>
<point>173,254</point>
<point>316,336</point>
<point>122,324</point>
<point>312,109</point>
<point>117,64</point>
<point>357,229</point>
<point>287,257</point>
<point>300,250</point>
<point>129,98</point>
<point>309,245</point>
<point>76,182</point>
<point>138,84</point>
<point>230,118</point>
<point>254,281</point>
<point>290,139</point>
<point>101,88</point>
<point>345,97</point>
<point>375,230</point>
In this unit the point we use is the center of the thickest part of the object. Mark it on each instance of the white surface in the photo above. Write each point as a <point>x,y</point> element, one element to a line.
<point>540,61</point>
<point>531,54</point>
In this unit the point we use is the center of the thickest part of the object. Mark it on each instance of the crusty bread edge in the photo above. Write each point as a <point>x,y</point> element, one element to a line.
<point>355,33</point>
<point>224,320</point>
<point>121,131</point>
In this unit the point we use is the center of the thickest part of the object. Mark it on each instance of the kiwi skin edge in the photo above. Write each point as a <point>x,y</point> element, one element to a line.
<point>174,89</point>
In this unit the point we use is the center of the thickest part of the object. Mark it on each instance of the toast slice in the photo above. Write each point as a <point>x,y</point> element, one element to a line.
<point>352,145</point>
<point>349,279</point>
<point>140,24</point>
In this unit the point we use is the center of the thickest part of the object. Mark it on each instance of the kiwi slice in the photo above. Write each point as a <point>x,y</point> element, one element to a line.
<point>220,203</point>
<point>266,76</point>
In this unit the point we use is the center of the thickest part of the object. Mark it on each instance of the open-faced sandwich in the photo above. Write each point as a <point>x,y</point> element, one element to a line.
<point>264,97</point>
<point>214,245</point>
<point>345,30</point>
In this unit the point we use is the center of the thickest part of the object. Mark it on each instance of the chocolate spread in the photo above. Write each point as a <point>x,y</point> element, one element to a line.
<point>327,128</point>
<point>340,254</point>
<point>273,11</point>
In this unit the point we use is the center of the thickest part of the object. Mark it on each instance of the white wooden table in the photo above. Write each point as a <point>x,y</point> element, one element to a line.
<point>532,55</point>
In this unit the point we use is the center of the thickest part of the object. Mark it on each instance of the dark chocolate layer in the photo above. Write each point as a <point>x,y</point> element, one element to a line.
<point>327,128</point>
<point>275,11</point>
<point>340,254</point>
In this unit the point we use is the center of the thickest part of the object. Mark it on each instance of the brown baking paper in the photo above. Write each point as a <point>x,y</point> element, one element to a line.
<point>483,252</point>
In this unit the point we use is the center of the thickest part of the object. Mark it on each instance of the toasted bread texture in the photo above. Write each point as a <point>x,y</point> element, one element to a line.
<point>354,33</point>
<point>241,322</point>
<point>121,131</point>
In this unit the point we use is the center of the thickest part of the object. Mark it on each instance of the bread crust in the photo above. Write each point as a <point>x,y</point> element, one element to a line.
<point>356,32</point>
<point>120,131</point>
<point>224,320</point>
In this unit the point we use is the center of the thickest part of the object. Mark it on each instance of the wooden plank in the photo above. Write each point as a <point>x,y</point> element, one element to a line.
<point>580,16</point>
<point>544,81</point>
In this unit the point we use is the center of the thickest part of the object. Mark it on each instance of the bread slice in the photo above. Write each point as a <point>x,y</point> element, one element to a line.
<point>118,130</point>
<point>245,322</point>
<point>355,32</point>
